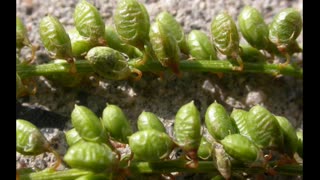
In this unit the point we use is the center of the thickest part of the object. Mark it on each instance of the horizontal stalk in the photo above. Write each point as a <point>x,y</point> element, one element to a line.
<point>222,66</point>
<point>163,167</point>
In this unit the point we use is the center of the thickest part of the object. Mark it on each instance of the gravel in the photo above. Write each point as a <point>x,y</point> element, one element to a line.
<point>282,95</point>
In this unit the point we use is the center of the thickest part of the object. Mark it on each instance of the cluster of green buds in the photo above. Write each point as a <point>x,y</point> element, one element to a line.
<point>245,138</point>
<point>136,44</point>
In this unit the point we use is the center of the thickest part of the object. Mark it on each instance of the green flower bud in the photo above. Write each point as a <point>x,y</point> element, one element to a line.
<point>200,46</point>
<point>29,140</point>
<point>241,148</point>
<point>290,138</point>
<point>80,44</point>
<point>251,54</point>
<point>54,38</point>
<point>21,34</point>
<point>116,123</point>
<point>205,149</point>
<point>91,156</point>
<point>225,35</point>
<point>108,63</point>
<point>187,128</point>
<point>285,27</point>
<point>132,22</point>
<point>263,128</point>
<point>87,124</point>
<point>240,118</point>
<point>148,120</point>
<point>150,145</point>
<point>218,122</point>
<point>253,27</point>
<point>72,137</point>
<point>88,21</point>
<point>172,26</point>
<point>299,133</point>
<point>165,46</point>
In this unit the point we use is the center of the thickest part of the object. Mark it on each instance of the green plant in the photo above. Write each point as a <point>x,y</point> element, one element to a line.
<point>151,149</point>
<point>159,47</point>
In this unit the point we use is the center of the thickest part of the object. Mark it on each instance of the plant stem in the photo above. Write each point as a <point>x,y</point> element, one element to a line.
<point>161,167</point>
<point>222,66</point>
<point>205,167</point>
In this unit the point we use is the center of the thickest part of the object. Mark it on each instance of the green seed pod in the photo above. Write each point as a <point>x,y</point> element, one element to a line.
<point>148,120</point>
<point>113,41</point>
<point>54,38</point>
<point>222,161</point>
<point>116,123</point>
<point>205,149</point>
<point>218,122</point>
<point>108,63</point>
<point>285,27</point>
<point>290,138</point>
<point>88,21</point>
<point>172,26</point>
<point>225,35</point>
<point>187,128</point>
<point>299,133</point>
<point>87,124</point>
<point>150,145</point>
<point>29,140</point>
<point>80,44</point>
<point>251,54</point>
<point>132,22</point>
<point>240,118</point>
<point>263,128</point>
<point>165,46</point>
<point>253,27</point>
<point>200,46</point>
<point>72,137</point>
<point>91,156</point>
<point>21,34</point>
<point>241,148</point>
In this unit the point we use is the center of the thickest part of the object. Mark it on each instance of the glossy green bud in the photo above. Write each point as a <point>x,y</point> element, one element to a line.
<point>225,35</point>
<point>72,137</point>
<point>54,37</point>
<point>240,118</point>
<point>218,122</point>
<point>87,124</point>
<point>241,148</point>
<point>88,21</point>
<point>113,41</point>
<point>150,145</point>
<point>263,128</point>
<point>80,44</point>
<point>132,22</point>
<point>108,63</point>
<point>165,46</point>
<point>253,27</point>
<point>187,127</point>
<point>251,54</point>
<point>205,149</point>
<point>116,123</point>
<point>91,156</point>
<point>21,34</point>
<point>200,46</point>
<point>29,140</point>
<point>299,133</point>
<point>290,138</point>
<point>172,26</point>
<point>148,120</point>
<point>285,27</point>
